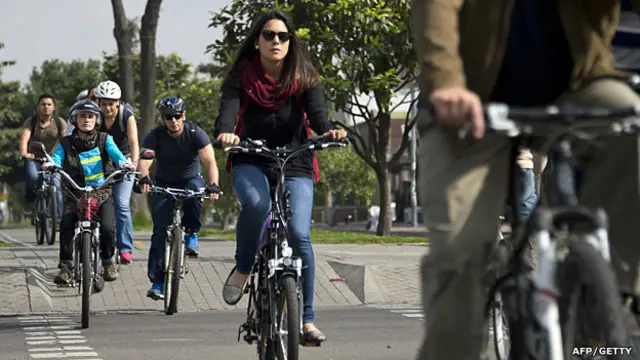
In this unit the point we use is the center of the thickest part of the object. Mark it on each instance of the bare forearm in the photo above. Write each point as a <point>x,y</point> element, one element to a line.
<point>144,166</point>
<point>213,174</point>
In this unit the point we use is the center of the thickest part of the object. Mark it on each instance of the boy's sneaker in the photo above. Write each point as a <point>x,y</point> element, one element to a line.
<point>156,292</point>
<point>126,258</point>
<point>64,276</point>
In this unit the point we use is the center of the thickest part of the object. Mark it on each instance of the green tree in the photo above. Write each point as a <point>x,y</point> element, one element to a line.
<point>171,70</point>
<point>11,104</point>
<point>346,176</point>
<point>360,47</point>
<point>63,80</point>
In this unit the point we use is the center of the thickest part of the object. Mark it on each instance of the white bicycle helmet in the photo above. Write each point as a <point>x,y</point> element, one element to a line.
<point>108,90</point>
<point>82,95</point>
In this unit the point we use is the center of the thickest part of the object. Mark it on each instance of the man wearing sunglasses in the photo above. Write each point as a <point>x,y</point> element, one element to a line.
<point>179,147</point>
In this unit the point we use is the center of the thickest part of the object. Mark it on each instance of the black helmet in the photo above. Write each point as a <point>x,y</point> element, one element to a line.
<point>171,106</point>
<point>86,106</point>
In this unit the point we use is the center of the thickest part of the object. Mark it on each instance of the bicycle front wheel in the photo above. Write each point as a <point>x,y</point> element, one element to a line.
<point>288,320</point>
<point>590,307</point>
<point>39,220</point>
<point>51,216</point>
<point>86,277</point>
<point>172,274</point>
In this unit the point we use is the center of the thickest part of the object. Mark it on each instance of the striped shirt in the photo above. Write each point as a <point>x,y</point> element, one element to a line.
<point>626,43</point>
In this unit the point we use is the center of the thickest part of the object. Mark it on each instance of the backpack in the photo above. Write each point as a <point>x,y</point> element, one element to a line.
<point>160,130</point>
<point>124,106</point>
<point>57,120</point>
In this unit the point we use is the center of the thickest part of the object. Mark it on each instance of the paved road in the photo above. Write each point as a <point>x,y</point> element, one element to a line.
<point>354,333</point>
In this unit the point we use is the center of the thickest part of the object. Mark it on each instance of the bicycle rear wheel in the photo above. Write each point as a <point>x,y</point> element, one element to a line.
<point>172,274</point>
<point>590,306</point>
<point>288,319</point>
<point>86,277</point>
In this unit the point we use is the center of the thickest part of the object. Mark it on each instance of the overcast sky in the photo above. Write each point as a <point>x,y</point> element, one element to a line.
<point>36,30</point>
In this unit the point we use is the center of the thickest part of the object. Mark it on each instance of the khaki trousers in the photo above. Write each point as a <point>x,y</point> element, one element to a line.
<point>464,186</point>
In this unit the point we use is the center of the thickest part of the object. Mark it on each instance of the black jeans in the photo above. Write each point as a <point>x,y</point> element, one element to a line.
<point>107,216</point>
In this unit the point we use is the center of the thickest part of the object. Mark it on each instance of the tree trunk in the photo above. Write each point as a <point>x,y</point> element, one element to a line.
<point>123,32</point>
<point>383,175</point>
<point>148,70</point>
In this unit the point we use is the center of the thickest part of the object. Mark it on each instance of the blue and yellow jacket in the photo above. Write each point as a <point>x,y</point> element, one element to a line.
<point>91,167</point>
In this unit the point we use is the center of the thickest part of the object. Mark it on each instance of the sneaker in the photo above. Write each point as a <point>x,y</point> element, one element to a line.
<point>64,276</point>
<point>156,292</point>
<point>110,272</point>
<point>126,258</point>
<point>191,241</point>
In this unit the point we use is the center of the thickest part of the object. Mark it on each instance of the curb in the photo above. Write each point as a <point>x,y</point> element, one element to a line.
<point>359,279</point>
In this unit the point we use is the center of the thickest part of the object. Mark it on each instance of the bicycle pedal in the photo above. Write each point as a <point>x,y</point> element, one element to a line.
<point>310,343</point>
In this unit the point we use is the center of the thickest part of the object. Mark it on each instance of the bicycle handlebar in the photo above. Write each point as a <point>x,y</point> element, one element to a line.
<point>180,193</point>
<point>107,182</point>
<point>259,147</point>
<point>514,121</point>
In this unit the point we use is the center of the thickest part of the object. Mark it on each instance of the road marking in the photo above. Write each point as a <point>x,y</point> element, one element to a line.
<point>55,337</point>
<point>408,311</point>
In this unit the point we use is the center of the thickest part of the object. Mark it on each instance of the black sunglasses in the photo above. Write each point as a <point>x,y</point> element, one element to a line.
<point>173,117</point>
<point>270,35</point>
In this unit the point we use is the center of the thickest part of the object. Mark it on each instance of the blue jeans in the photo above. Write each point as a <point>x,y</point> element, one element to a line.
<point>162,216</point>
<point>122,202</point>
<point>252,188</point>
<point>529,196</point>
<point>33,180</point>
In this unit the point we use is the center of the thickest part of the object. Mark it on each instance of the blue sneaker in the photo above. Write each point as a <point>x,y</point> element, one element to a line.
<point>156,292</point>
<point>191,241</point>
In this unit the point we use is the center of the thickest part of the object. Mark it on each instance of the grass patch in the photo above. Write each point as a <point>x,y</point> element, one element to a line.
<point>4,244</point>
<point>321,236</point>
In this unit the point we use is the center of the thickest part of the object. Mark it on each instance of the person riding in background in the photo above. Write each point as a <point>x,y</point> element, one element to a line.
<point>120,123</point>
<point>47,128</point>
<point>88,157</point>
<point>180,146</point>
<point>270,87</point>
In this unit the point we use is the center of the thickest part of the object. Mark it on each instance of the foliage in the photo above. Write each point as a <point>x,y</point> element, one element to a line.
<point>360,47</point>
<point>63,80</point>
<point>172,72</point>
<point>346,175</point>
<point>11,101</point>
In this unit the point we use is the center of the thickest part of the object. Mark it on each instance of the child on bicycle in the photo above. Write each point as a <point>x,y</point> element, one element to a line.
<point>88,157</point>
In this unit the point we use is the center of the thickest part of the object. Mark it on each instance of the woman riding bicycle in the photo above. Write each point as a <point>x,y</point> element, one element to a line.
<point>270,87</point>
<point>87,156</point>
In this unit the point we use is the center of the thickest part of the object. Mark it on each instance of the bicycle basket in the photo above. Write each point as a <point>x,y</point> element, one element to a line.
<point>88,210</point>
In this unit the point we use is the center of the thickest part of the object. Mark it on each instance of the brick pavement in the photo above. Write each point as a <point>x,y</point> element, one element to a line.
<point>200,289</point>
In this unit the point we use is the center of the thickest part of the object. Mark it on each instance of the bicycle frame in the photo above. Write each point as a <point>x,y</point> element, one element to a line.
<point>545,220</point>
<point>274,256</point>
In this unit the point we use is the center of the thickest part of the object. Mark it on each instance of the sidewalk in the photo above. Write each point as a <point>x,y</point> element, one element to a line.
<point>346,275</point>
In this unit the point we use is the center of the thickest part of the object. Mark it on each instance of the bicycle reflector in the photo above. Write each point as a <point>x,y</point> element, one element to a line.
<point>87,210</point>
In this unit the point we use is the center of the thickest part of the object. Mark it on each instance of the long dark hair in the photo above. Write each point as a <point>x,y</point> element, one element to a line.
<point>296,63</point>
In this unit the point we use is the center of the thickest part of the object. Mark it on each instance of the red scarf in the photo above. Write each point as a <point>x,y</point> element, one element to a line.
<point>261,89</point>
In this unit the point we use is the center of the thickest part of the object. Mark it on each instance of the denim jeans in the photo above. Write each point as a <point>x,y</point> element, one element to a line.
<point>31,168</point>
<point>122,202</point>
<point>162,216</point>
<point>252,188</point>
<point>529,196</point>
